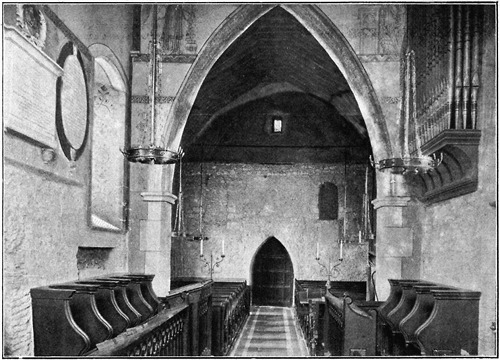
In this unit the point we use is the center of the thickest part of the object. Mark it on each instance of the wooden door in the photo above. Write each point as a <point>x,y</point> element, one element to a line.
<point>272,275</point>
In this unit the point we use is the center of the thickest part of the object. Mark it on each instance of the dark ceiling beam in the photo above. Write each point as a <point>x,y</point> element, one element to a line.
<point>204,145</point>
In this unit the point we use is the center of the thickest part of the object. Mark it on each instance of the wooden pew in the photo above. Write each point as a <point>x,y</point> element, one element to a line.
<point>106,300</point>
<point>310,307</point>
<point>389,341</point>
<point>220,326</point>
<point>427,318</point>
<point>356,290</point>
<point>309,296</point>
<point>89,318</point>
<point>350,326</point>
<point>452,327</point>
<point>230,309</point>
<point>421,311</point>
<point>135,295</point>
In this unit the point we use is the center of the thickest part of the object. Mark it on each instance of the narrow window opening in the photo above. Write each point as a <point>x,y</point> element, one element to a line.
<point>328,201</point>
<point>277,125</point>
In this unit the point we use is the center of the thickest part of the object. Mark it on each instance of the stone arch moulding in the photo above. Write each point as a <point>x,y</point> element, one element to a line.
<point>324,31</point>
<point>102,51</point>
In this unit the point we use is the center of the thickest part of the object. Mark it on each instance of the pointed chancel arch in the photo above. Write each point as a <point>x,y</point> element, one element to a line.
<point>323,30</point>
<point>272,275</point>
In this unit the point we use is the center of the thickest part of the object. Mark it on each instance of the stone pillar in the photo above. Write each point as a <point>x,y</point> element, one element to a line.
<point>155,232</point>
<point>394,235</point>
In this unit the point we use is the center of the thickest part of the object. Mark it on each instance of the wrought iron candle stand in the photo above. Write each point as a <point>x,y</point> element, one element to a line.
<point>330,270</point>
<point>213,263</point>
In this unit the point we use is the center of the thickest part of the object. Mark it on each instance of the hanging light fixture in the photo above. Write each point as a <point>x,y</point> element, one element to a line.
<point>408,164</point>
<point>152,153</point>
<point>179,230</point>
<point>199,236</point>
<point>179,224</point>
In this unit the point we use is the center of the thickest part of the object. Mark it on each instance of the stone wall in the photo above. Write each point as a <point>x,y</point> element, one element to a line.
<point>245,204</point>
<point>45,204</point>
<point>459,236</point>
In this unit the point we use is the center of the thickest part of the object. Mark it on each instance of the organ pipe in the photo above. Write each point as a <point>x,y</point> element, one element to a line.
<point>443,77</point>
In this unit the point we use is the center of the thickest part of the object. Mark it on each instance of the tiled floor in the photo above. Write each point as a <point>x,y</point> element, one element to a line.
<point>270,331</point>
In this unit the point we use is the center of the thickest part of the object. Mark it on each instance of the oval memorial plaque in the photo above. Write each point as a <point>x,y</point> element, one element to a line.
<point>72,103</point>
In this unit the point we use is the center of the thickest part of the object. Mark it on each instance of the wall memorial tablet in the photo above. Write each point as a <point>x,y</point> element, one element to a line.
<point>29,105</point>
<point>72,103</point>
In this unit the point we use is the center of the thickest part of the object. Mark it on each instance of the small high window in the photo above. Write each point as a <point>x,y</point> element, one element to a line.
<point>328,201</point>
<point>277,125</point>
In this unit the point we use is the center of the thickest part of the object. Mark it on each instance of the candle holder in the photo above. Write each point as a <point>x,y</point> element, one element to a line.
<point>330,270</point>
<point>213,263</point>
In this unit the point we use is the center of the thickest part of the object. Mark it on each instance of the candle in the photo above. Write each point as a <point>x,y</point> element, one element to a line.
<point>317,250</point>
<point>201,247</point>
<point>341,250</point>
<point>223,247</point>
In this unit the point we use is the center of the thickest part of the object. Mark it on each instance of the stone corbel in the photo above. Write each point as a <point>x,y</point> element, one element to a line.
<point>391,201</point>
<point>158,196</point>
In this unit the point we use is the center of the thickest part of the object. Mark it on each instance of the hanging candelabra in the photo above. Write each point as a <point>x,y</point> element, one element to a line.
<point>366,233</point>
<point>199,236</point>
<point>408,164</point>
<point>179,230</point>
<point>179,223</point>
<point>152,153</point>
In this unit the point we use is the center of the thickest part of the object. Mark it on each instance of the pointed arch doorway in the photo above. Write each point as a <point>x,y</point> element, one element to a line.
<point>272,275</point>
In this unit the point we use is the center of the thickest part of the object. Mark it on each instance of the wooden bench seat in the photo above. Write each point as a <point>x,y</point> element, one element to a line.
<point>81,318</point>
<point>425,318</point>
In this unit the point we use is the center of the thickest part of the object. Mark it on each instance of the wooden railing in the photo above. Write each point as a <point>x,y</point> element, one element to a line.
<point>229,309</point>
<point>198,295</point>
<point>163,335</point>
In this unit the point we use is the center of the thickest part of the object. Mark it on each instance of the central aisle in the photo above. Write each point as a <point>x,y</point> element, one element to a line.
<point>270,331</point>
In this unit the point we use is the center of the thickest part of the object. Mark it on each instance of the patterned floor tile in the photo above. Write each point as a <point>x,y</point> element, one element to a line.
<point>270,332</point>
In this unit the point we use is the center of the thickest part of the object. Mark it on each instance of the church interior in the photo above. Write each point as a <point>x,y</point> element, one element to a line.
<point>195,179</point>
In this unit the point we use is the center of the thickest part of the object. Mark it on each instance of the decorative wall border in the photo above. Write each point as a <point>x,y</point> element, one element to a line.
<point>144,99</point>
<point>166,58</point>
<point>380,58</point>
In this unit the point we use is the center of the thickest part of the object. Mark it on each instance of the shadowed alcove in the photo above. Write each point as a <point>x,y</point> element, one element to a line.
<point>272,275</point>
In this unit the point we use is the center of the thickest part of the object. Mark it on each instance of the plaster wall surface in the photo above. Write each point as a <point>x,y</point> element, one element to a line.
<point>375,32</point>
<point>377,51</point>
<point>245,204</point>
<point>459,236</point>
<point>110,25</point>
<point>45,204</point>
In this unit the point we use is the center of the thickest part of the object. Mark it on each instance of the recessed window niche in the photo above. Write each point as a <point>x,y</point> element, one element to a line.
<point>91,261</point>
<point>276,123</point>
<point>328,201</point>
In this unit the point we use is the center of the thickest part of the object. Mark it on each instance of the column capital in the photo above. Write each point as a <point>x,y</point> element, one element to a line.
<point>159,196</point>
<point>391,201</point>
